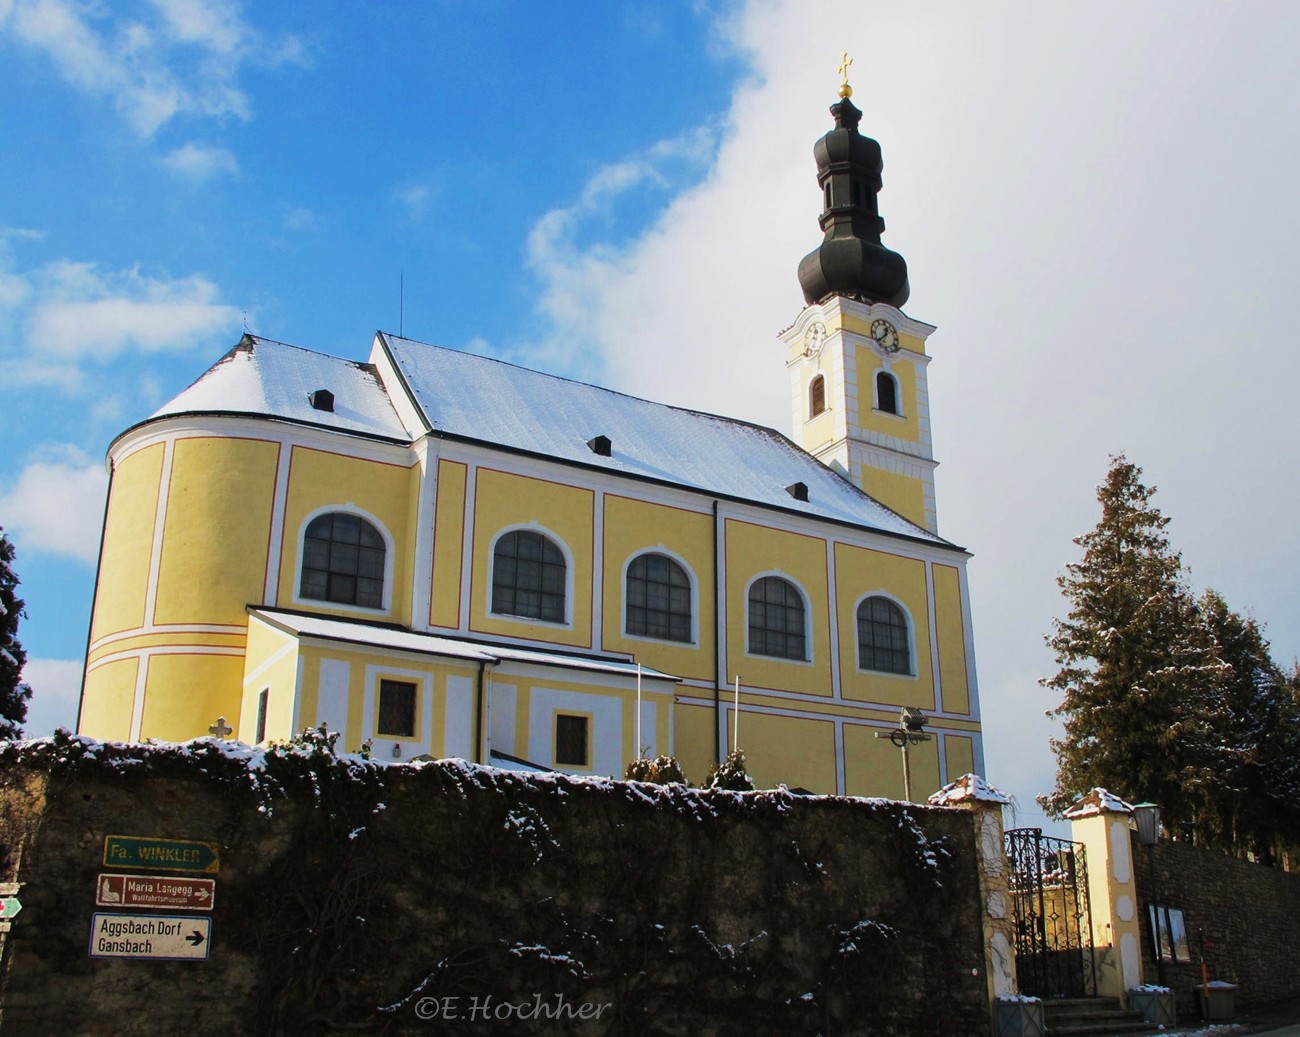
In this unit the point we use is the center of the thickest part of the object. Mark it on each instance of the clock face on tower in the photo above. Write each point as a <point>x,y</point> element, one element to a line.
<point>814,339</point>
<point>885,335</point>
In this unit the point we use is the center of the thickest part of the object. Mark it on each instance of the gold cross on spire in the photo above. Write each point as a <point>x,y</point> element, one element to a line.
<point>846,91</point>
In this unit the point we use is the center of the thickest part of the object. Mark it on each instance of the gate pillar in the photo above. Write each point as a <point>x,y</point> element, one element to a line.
<point>1101,822</point>
<point>972,793</point>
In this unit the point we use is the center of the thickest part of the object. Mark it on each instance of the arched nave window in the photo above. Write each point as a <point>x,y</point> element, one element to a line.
<point>884,639</point>
<point>529,576</point>
<point>658,598</point>
<point>777,616</point>
<point>343,561</point>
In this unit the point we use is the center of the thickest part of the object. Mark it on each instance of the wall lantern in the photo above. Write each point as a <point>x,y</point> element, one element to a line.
<point>1147,818</point>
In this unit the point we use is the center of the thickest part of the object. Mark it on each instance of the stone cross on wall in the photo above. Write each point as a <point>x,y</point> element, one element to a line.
<point>220,729</point>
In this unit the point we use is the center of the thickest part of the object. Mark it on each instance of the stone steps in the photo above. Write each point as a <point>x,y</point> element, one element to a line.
<point>1092,1017</point>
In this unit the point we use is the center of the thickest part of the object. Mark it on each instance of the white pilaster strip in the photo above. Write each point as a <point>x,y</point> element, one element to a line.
<point>934,635</point>
<point>276,550</point>
<point>467,545</point>
<point>159,524</point>
<point>426,455</point>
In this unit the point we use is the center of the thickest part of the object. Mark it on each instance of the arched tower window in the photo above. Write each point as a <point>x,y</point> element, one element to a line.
<point>884,640</point>
<point>816,396</point>
<point>777,619</point>
<point>658,599</point>
<point>529,576</point>
<point>343,561</point>
<point>886,392</point>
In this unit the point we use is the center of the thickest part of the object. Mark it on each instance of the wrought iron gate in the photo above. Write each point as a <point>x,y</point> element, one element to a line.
<point>1053,919</point>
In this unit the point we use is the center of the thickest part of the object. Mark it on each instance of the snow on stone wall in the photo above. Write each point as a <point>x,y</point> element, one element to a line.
<point>450,898</point>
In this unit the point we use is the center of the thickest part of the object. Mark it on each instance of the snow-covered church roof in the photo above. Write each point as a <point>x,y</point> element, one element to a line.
<point>478,399</point>
<point>264,378</point>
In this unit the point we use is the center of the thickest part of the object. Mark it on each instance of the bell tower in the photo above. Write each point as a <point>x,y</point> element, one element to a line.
<point>857,362</point>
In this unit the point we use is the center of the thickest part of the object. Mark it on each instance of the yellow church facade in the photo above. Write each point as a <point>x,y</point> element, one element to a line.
<point>440,554</point>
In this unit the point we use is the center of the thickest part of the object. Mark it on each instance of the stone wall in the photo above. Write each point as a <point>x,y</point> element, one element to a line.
<point>1250,915</point>
<point>443,898</point>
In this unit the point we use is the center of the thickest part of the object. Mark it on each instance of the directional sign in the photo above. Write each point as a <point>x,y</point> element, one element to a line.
<point>165,892</point>
<point>150,936</point>
<point>9,906</point>
<point>134,851</point>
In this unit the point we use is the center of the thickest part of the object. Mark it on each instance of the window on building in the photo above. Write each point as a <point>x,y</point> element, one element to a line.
<point>528,577</point>
<point>572,741</point>
<point>884,643</point>
<point>776,619</point>
<point>263,698</point>
<point>396,709</point>
<point>886,393</point>
<point>658,598</point>
<point>343,561</point>
<point>816,396</point>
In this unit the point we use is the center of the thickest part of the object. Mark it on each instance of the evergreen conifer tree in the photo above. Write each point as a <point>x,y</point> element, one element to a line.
<point>13,693</point>
<point>1254,748</point>
<point>1137,663</point>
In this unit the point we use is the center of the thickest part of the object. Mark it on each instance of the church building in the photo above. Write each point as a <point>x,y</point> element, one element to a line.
<point>442,554</point>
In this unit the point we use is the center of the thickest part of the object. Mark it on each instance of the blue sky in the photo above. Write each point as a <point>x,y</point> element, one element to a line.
<point>1096,204</point>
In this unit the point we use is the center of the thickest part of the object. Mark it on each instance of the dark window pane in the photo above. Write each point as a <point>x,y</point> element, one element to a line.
<point>571,747</point>
<point>396,709</point>
<point>883,642</point>
<point>776,619</point>
<point>528,577</point>
<point>332,561</point>
<point>658,599</point>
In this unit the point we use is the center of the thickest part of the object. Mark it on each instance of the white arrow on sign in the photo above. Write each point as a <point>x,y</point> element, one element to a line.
<point>9,907</point>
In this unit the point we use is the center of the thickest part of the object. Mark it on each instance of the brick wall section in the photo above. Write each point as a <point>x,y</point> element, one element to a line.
<point>347,893</point>
<point>1250,915</point>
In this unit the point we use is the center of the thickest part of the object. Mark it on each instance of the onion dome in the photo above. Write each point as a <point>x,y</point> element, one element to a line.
<point>851,260</point>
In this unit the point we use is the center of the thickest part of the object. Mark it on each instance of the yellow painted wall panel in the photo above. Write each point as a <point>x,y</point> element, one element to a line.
<point>861,571</point>
<point>271,663</point>
<point>632,528</point>
<point>218,530</point>
<point>874,766</point>
<point>750,550</point>
<point>693,740</point>
<point>951,631</point>
<point>109,700</point>
<point>503,500</point>
<point>321,479</point>
<point>900,493</point>
<point>448,544</point>
<point>959,755</point>
<point>184,694</point>
<point>128,539</point>
<point>787,750</point>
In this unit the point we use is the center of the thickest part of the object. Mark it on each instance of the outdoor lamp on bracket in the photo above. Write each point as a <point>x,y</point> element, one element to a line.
<point>1147,818</point>
<point>910,731</point>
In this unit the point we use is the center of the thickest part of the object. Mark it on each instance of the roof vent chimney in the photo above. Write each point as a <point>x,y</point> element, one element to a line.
<point>600,445</point>
<point>798,490</point>
<point>322,399</point>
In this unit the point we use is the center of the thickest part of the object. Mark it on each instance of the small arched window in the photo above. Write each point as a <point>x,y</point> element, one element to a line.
<point>776,619</point>
<point>529,577</point>
<point>816,396</point>
<point>886,393</point>
<point>343,561</point>
<point>658,598</point>
<point>884,641</point>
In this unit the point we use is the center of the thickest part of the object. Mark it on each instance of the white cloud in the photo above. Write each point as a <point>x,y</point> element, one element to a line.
<point>56,691</point>
<point>73,313</point>
<point>57,504</point>
<point>1064,230</point>
<point>154,61</point>
<point>200,161</point>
